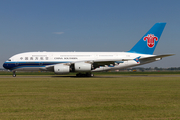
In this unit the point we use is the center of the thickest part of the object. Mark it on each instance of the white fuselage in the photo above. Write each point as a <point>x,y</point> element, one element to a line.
<point>36,61</point>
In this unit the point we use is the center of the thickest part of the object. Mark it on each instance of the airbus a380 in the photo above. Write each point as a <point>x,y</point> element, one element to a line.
<point>85,63</point>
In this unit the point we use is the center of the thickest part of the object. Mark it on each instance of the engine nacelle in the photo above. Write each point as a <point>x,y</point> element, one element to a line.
<point>82,67</point>
<point>61,69</point>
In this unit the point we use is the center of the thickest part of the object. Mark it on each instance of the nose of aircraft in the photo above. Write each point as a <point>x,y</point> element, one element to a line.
<point>5,65</point>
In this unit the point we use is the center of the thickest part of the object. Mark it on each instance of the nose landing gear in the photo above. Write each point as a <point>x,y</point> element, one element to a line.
<point>14,73</point>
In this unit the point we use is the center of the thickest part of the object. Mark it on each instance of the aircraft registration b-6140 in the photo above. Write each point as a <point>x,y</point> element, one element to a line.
<point>85,63</point>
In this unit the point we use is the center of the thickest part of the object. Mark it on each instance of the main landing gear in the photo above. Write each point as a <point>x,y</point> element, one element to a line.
<point>14,73</point>
<point>84,75</point>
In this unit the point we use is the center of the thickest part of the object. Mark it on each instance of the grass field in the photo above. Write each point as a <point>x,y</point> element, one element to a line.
<point>90,98</point>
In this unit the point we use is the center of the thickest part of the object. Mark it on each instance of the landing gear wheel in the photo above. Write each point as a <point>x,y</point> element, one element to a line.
<point>89,75</point>
<point>92,75</point>
<point>14,73</point>
<point>84,75</point>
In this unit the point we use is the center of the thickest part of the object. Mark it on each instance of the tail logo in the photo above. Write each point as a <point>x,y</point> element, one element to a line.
<point>150,40</point>
<point>137,59</point>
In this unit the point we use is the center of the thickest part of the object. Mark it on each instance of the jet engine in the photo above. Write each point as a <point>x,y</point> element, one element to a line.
<point>83,67</point>
<point>61,69</point>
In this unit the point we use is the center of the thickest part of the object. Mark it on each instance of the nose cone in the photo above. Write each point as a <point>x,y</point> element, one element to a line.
<point>5,65</point>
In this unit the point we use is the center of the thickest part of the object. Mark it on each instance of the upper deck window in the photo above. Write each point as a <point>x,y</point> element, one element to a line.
<point>9,60</point>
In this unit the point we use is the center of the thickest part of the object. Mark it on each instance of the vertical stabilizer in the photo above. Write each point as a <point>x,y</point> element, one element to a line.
<point>147,44</point>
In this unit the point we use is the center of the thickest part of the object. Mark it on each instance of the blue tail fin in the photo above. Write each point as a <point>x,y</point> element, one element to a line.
<point>147,44</point>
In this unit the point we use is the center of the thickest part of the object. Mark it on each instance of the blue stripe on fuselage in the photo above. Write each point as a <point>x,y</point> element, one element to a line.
<point>16,65</point>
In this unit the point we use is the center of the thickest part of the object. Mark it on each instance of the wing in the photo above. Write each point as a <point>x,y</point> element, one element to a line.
<point>95,63</point>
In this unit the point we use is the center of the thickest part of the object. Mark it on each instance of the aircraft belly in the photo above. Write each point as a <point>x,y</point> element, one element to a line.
<point>29,69</point>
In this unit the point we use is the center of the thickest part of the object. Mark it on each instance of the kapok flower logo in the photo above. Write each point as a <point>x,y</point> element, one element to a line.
<point>150,40</point>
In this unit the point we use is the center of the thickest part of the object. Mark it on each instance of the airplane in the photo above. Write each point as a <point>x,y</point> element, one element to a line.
<point>85,63</point>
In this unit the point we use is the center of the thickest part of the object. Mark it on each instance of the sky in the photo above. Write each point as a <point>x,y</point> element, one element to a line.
<point>87,26</point>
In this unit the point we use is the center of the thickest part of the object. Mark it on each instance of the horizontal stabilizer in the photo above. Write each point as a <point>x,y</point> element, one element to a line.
<point>157,56</point>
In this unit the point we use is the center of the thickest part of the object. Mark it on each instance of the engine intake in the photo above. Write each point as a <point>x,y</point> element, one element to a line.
<point>61,69</point>
<point>82,67</point>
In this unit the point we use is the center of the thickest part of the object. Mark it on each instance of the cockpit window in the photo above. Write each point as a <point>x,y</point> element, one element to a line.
<point>9,60</point>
